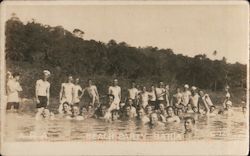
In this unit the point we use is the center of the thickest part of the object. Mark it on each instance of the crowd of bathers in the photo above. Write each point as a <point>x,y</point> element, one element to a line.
<point>154,105</point>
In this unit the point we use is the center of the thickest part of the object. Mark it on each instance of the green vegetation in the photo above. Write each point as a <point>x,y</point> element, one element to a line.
<point>32,47</point>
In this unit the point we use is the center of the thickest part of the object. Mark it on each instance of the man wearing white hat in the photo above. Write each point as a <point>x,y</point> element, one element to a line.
<point>186,94</point>
<point>43,91</point>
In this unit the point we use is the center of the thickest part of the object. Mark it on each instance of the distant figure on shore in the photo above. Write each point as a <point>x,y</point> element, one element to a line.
<point>43,91</point>
<point>116,91</point>
<point>13,89</point>
<point>92,96</point>
<point>66,92</point>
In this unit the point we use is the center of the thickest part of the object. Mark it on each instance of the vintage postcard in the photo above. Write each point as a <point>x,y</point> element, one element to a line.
<point>124,78</point>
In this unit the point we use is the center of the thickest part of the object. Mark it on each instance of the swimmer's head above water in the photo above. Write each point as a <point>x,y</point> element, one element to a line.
<point>189,124</point>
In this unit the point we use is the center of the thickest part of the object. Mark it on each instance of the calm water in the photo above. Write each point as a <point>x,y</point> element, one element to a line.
<point>23,127</point>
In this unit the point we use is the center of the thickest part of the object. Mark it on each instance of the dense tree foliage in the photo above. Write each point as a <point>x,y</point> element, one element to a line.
<point>32,47</point>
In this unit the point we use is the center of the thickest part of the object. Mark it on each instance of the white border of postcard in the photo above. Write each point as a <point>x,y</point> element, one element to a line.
<point>119,148</point>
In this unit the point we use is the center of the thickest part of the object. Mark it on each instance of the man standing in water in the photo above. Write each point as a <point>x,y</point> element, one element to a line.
<point>116,91</point>
<point>227,96</point>
<point>160,93</point>
<point>43,91</point>
<point>93,94</point>
<point>66,92</point>
<point>77,89</point>
<point>13,87</point>
<point>189,125</point>
<point>186,94</point>
<point>133,93</point>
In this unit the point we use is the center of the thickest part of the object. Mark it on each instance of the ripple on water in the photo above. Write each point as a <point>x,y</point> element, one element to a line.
<point>210,128</point>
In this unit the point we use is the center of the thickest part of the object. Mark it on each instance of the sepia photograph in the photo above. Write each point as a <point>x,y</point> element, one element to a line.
<point>124,78</point>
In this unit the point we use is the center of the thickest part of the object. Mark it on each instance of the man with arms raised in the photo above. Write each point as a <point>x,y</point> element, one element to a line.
<point>43,91</point>
<point>116,91</point>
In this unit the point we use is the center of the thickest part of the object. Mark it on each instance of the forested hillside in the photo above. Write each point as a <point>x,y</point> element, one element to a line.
<point>32,47</point>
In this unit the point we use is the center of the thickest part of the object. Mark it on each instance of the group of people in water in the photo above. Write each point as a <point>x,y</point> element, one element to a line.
<point>155,106</point>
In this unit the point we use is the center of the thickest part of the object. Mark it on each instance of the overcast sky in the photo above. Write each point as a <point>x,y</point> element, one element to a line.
<point>187,29</point>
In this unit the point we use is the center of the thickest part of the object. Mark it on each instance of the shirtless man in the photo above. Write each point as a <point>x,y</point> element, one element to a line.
<point>133,93</point>
<point>194,98</point>
<point>76,90</point>
<point>154,121</point>
<point>93,94</point>
<point>227,96</point>
<point>172,118</point>
<point>205,100</point>
<point>189,125</point>
<point>116,91</point>
<point>160,93</point>
<point>42,91</point>
<point>167,95</point>
<point>176,99</point>
<point>144,97</point>
<point>13,89</point>
<point>152,97</point>
<point>186,94</point>
<point>142,117</point>
<point>66,92</point>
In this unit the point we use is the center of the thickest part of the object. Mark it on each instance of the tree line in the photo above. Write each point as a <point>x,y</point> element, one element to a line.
<point>33,46</point>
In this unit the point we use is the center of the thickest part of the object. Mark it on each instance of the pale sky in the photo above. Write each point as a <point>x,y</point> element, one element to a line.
<point>187,29</point>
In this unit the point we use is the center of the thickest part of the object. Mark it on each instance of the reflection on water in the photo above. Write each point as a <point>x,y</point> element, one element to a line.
<point>24,127</point>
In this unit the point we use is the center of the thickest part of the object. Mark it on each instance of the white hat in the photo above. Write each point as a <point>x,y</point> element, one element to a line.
<point>193,88</point>
<point>229,103</point>
<point>46,72</point>
<point>186,86</point>
<point>227,87</point>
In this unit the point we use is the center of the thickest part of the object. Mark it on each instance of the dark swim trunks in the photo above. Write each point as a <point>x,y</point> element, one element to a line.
<point>43,102</point>
<point>14,104</point>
